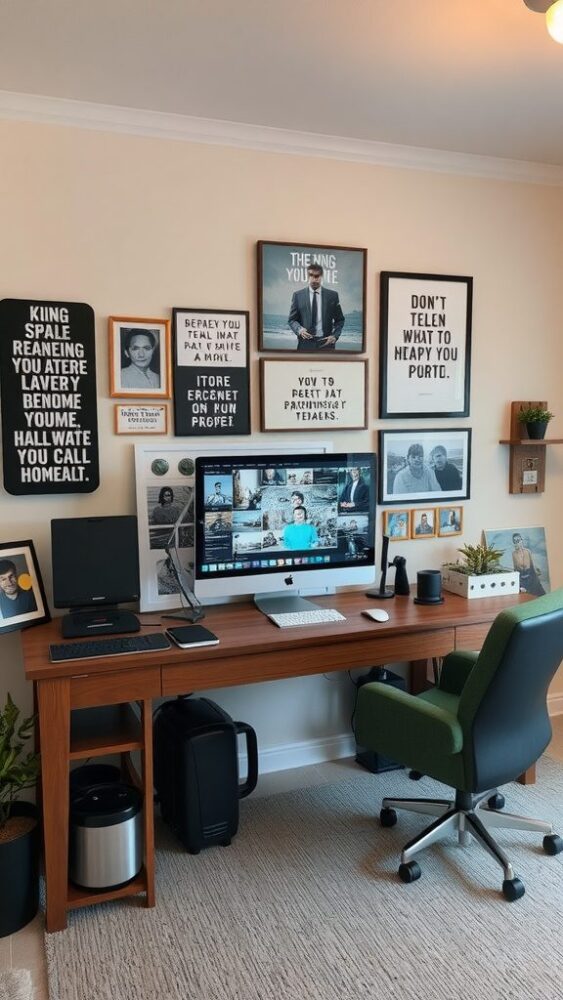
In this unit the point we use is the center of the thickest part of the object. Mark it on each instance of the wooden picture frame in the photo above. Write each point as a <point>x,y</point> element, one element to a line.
<point>284,308</point>
<point>307,395</point>
<point>449,521</point>
<point>141,418</point>
<point>396,525</point>
<point>424,345</point>
<point>423,523</point>
<point>22,596</point>
<point>143,371</point>
<point>418,466</point>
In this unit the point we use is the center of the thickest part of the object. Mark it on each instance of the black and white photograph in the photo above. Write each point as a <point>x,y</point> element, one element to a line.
<point>426,465</point>
<point>139,357</point>
<point>423,523</point>
<point>311,298</point>
<point>424,345</point>
<point>22,598</point>
<point>169,504</point>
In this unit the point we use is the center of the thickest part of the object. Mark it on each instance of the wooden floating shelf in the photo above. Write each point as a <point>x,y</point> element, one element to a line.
<point>527,455</point>
<point>532,441</point>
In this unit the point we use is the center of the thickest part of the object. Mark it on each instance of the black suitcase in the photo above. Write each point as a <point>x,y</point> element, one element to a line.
<point>196,770</point>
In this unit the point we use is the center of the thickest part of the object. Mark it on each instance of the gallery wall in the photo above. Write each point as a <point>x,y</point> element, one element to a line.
<point>135,226</point>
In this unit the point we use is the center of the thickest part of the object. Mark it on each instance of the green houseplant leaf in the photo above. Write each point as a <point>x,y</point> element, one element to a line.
<point>479,560</point>
<point>19,767</point>
<point>534,415</point>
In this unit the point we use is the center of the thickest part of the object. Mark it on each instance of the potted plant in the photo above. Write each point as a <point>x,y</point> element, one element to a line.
<point>535,420</point>
<point>480,574</point>
<point>19,831</point>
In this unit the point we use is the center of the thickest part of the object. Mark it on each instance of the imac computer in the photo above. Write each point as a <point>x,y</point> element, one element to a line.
<point>273,526</point>
<point>95,568</point>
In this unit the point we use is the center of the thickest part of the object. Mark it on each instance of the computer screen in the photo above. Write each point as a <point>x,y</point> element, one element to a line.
<point>95,561</point>
<point>268,522</point>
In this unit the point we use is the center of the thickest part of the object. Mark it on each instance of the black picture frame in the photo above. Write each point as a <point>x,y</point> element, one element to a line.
<point>424,345</point>
<point>452,482</point>
<point>22,596</point>
<point>282,276</point>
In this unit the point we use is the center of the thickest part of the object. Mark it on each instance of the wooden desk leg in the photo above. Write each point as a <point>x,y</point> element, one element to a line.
<point>54,725</point>
<point>148,786</point>
<point>529,776</point>
<point>418,680</point>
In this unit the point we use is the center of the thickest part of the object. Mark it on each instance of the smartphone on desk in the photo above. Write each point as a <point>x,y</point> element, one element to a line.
<point>187,636</point>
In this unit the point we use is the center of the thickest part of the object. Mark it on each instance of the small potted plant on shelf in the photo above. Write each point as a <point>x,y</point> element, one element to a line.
<point>19,831</point>
<point>535,420</point>
<point>480,575</point>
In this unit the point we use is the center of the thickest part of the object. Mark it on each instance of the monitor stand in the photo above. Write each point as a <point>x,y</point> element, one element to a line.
<point>281,603</point>
<point>98,621</point>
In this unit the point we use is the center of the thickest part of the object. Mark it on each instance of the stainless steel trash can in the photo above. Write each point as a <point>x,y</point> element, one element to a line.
<point>106,842</point>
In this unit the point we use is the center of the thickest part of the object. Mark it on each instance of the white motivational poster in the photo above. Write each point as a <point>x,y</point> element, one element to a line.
<point>308,395</point>
<point>425,345</point>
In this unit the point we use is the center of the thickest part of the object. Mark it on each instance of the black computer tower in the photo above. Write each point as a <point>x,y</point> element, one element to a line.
<point>196,770</point>
<point>370,759</point>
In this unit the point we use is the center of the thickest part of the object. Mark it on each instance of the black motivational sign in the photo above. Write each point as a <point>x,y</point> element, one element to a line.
<point>48,397</point>
<point>211,377</point>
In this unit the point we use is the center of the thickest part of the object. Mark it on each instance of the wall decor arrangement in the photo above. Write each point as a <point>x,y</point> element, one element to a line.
<point>450,521</point>
<point>304,395</point>
<point>139,357</point>
<point>165,481</point>
<point>423,523</point>
<point>524,551</point>
<point>424,345</point>
<point>48,395</point>
<point>141,418</point>
<point>396,525</point>
<point>211,372</point>
<point>22,597</point>
<point>311,298</point>
<point>424,465</point>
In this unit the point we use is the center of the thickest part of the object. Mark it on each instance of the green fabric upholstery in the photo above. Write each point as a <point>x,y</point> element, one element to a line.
<point>487,721</point>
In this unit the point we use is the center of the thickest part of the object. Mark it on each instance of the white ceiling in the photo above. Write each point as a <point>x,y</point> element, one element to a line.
<point>472,76</point>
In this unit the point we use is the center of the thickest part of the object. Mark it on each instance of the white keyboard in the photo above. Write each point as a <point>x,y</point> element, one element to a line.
<point>320,617</point>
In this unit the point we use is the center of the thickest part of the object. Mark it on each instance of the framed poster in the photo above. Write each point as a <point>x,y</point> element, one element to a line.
<point>450,521</point>
<point>424,345</point>
<point>311,298</point>
<point>165,480</point>
<point>425,465</point>
<point>396,525</point>
<point>136,418</point>
<point>22,598</point>
<point>423,523</point>
<point>211,372</point>
<point>49,401</point>
<point>524,550</point>
<point>139,357</point>
<point>310,395</point>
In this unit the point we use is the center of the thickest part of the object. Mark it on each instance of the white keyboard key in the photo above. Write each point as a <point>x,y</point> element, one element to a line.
<point>322,616</point>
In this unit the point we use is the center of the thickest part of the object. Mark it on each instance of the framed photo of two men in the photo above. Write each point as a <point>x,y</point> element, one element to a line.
<point>311,298</point>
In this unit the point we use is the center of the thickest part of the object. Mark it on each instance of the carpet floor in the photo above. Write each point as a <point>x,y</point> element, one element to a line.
<point>15,984</point>
<point>306,905</point>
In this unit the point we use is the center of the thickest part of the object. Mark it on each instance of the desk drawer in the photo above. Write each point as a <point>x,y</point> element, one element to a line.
<point>471,636</point>
<point>88,690</point>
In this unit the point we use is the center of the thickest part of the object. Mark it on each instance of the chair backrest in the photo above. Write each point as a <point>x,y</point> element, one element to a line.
<point>503,707</point>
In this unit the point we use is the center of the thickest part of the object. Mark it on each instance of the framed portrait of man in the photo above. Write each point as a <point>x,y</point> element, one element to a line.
<point>311,298</point>
<point>22,597</point>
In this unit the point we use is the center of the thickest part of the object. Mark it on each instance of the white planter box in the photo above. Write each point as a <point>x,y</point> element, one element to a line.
<point>491,585</point>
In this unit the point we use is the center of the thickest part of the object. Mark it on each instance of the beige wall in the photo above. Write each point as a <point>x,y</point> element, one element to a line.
<point>135,225</point>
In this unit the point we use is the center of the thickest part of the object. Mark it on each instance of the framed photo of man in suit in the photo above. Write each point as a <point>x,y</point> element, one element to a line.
<point>311,298</point>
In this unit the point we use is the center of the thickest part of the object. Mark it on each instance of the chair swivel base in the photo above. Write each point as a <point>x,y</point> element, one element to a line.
<point>469,815</point>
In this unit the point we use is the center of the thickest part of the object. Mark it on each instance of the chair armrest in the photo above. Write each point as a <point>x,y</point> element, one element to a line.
<point>397,723</point>
<point>456,669</point>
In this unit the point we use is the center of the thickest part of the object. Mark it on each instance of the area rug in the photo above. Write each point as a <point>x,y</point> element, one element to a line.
<point>16,984</point>
<point>306,904</point>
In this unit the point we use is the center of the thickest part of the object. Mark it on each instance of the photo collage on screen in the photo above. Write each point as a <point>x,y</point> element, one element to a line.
<point>263,518</point>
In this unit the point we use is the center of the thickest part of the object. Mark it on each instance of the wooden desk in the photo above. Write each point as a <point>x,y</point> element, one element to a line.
<point>252,649</point>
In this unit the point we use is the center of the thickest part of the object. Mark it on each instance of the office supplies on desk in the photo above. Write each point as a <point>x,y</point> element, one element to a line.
<point>187,636</point>
<point>429,587</point>
<point>108,647</point>
<point>376,614</point>
<point>323,616</point>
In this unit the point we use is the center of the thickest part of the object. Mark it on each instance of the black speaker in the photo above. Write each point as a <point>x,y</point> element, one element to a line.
<point>429,587</point>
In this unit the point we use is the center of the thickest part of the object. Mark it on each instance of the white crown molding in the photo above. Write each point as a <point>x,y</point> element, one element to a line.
<point>184,128</point>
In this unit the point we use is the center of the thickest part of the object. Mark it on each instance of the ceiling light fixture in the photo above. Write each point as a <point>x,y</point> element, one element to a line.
<point>553,16</point>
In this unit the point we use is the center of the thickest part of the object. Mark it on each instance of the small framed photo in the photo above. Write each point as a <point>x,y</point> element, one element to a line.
<point>424,345</point>
<point>450,520</point>
<point>311,298</point>
<point>423,523</point>
<point>139,357</point>
<point>141,418</point>
<point>396,525</point>
<point>424,465</point>
<point>304,395</point>
<point>22,598</point>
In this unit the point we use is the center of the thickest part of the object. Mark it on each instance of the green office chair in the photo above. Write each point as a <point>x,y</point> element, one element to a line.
<point>483,725</point>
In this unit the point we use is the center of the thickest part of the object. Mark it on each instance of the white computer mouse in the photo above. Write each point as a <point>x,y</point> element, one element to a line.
<point>376,614</point>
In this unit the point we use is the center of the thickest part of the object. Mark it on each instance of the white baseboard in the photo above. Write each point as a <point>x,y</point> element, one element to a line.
<point>281,758</point>
<point>555,704</point>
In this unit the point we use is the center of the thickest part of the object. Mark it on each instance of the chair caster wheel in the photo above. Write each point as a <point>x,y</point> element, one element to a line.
<point>226,843</point>
<point>387,817</point>
<point>513,889</point>
<point>410,872</point>
<point>552,844</point>
<point>496,801</point>
<point>415,775</point>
